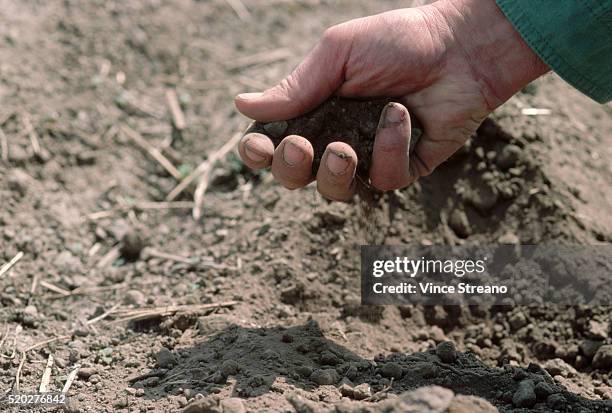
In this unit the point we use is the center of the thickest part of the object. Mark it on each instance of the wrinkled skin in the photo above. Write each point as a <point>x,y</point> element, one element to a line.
<point>450,63</point>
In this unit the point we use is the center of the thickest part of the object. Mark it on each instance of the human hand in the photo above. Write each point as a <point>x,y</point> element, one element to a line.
<point>450,63</point>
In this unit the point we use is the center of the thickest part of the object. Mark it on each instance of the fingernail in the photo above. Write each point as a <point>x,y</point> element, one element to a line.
<point>249,96</point>
<point>337,162</point>
<point>292,154</point>
<point>252,152</point>
<point>393,115</point>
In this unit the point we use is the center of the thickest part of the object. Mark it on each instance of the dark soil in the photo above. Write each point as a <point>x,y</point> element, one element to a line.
<point>288,260</point>
<point>337,119</point>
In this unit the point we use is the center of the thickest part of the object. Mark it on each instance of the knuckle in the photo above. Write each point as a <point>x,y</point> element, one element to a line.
<point>336,35</point>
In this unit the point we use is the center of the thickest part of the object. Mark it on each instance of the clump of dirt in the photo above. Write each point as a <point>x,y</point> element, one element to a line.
<point>336,120</point>
<point>260,360</point>
<point>70,203</point>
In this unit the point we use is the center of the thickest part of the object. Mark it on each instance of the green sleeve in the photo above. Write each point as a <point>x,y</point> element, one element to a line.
<point>573,37</point>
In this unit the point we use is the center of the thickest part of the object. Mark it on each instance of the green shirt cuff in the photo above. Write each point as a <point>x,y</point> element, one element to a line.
<point>574,38</point>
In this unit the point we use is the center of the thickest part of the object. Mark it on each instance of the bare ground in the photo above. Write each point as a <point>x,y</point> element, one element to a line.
<point>74,74</point>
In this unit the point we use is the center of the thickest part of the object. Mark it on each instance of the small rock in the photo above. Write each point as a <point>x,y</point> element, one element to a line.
<point>287,338</point>
<point>232,405</point>
<point>391,370</point>
<point>597,330</point>
<point>556,401</point>
<point>603,358</point>
<point>67,263</point>
<point>346,390</point>
<point>202,406</point>
<point>483,198</point>
<point>276,129</point>
<point>470,404</point>
<point>134,297</point>
<point>430,399</point>
<point>509,238</point>
<point>329,358</point>
<point>219,378</point>
<point>362,391</point>
<point>517,320</point>
<point>132,244</point>
<point>543,390</point>
<point>31,311</point>
<point>121,403</point>
<point>304,371</point>
<point>604,391</point>
<point>165,358</point>
<point>18,181</point>
<point>509,156</point>
<point>446,352</point>
<point>86,158</point>
<point>301,405</point>
<point>590,347</point>
<point>325,376</point>
<point>426,370</point>
<point>558,367</point>
<point>525,394</point>
<point>214,323</point>
<point>86,372</point>
<point>458,221</point>
<point>229,368</point>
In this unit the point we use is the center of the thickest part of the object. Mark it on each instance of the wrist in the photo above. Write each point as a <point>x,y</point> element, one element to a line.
<point>495,52</point>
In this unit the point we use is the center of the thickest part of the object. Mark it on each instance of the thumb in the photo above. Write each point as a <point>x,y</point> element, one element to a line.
<point>313,81</point>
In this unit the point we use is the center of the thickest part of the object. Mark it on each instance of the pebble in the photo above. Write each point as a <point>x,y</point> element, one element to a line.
<point>543,390</point>
<point>276,129</point>
<point>66,262</point>
<point>232,405</point>
<point>470,404</point>
<point>325,376</point>
<point>603,358</point>
<point>458,221</point>
<point>517,320</point>
<point>590,347</point>
<point>31,311</point>
<point>229,368</point>
<point>558,367</point>
<point>509,156</point>
<point>509,238</point>
<point>201,406</point>
<point>18,181</point>
<point>214,323</point>
<point>304,371</point>
<point>430,399</point>
<point>391,370</point>
<point>134,297</point>
<point>362,391</point>
<point>165,358</point>
<point>447,352</point>
<point>483,198</point>
<point>329,358</point>
<point>598,330</point>
<point>302,405</point>
<point>132,244</point>
<point>556,401</point>
<point>122,403</point>
<point>525,394</point>
<point>86,372</point>
<point>346,390</point>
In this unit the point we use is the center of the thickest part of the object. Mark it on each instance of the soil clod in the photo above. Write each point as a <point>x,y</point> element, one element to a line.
<point>338,119</point>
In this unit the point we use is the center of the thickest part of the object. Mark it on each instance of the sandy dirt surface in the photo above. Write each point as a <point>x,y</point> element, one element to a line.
<point>255,306</point>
